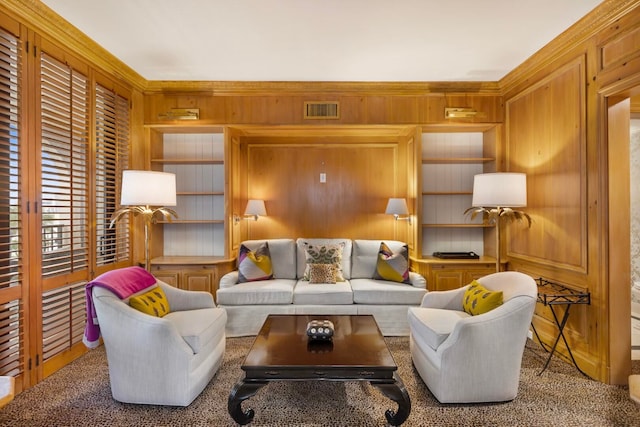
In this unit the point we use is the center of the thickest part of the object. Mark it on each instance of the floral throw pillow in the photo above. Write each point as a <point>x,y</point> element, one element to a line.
<point>324,254</point>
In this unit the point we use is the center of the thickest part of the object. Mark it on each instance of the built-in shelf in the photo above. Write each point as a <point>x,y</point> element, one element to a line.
<point>454,225</point>
<point>445,160</point>
<point>193,221</point>
<point>200,193</point>
<point>188,161</point>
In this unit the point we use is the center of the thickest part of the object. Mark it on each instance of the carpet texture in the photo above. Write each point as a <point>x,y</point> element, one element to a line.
<point>79,395</point>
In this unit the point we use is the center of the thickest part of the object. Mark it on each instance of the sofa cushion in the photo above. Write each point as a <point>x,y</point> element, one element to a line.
<point>365,256</point>
<point>346,254</point>
<point>392,265</point>
<point>274,291</point>
<point>198,327</point>
<point>322,294</point>
<point>283,256</point>
<point>478,300</point>
<point>254,264</point>
<point>433,325</point>
<point>322,273</point>
<point>382,292</point>
<point>153,302</point>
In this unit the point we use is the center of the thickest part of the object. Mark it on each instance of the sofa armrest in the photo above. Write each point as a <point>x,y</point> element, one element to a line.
<point>450,300</point>
<point>417,281</point>
<point>228,280</point>
<point>182,300</point>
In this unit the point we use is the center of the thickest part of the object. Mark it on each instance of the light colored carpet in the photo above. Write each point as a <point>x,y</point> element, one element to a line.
<point>79,395</point>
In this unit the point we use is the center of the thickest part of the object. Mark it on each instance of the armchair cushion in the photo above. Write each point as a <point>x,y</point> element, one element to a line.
<point>198,327</point>
<point>254,264</point>
<point>434,325</point>
<point>153,302</point>
<point>479,300</point>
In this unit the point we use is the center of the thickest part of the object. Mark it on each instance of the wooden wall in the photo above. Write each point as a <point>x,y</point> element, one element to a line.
<point>565,128</point>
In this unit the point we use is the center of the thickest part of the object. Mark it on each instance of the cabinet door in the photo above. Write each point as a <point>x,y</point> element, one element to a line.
<point>197,281</point>
<point>447,279</point>
<point>471,275</point>
<point>169,277</point>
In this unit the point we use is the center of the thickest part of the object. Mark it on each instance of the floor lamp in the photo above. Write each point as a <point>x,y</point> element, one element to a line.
<point>147,193</point>
<point>496,194</point>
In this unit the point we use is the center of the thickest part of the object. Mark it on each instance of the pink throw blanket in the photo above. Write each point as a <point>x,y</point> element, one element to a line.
<point>123,282</point>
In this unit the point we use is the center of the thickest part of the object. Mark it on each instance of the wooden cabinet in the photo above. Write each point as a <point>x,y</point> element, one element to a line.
<point>444,275</point>
<point>451,156</point>
<point>192,273</point>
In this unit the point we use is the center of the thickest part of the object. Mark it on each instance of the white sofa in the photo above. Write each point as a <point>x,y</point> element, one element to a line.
<point>248,304</point>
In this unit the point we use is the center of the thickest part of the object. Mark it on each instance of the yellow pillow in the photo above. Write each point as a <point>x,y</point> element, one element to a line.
<point>153,302</point>
<point>478,300</point>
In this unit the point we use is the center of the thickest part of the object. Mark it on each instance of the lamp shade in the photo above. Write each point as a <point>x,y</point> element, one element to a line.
<point>256,208</point>
<point>501,189</point>
<point>148,188</point>
<point>397,206</point>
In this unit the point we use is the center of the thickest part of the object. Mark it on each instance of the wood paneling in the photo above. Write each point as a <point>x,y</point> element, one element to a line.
<point>545,140</point>
<point>359,180</point>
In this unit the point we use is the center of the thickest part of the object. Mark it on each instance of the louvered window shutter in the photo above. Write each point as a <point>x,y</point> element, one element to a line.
<point>11,226</point>
<point>112,157</point>
<point>65,204</point>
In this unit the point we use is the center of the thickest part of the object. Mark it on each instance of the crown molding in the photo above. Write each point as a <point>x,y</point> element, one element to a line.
<point>256,88</point>
<point>586,28</point>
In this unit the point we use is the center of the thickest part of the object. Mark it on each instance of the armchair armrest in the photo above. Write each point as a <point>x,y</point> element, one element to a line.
<point>181,300</point>
<point>228,280</point>
<point>450,300</point>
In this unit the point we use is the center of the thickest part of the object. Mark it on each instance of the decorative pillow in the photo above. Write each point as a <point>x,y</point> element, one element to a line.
<point>324,254</point>
<point>477,299</point>
<point>392,266</point>
<point>322,273</point>
<point>153,302</point>
<point>254,265</point>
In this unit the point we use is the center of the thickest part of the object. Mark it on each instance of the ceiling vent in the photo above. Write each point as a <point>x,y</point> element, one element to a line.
<point>322,110</point>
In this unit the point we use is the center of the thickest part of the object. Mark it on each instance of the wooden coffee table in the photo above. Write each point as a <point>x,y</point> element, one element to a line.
<point>282,352</point>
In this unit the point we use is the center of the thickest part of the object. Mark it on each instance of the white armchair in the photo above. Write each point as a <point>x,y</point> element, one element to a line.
<point>161,360</point>
<point>464,358</point>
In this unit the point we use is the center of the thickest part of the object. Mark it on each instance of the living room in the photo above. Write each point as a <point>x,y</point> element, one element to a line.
<point>562,117</point>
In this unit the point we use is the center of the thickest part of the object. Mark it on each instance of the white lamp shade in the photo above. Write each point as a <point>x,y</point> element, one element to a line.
<point>397,206</point>
<point>255,207</point>
<point>501,189</point>
<point>148,188</point>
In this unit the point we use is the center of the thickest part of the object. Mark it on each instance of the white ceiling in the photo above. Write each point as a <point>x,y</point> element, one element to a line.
<point>322,40</point>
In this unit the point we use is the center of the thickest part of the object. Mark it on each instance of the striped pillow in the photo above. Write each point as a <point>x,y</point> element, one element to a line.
<point>254,265</point>
<point>392,266</point>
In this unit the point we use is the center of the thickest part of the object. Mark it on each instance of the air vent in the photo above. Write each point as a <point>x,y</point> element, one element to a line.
<point>321,110</point>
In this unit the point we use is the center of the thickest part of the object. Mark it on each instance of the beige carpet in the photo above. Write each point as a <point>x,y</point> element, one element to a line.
<point>79,395</point>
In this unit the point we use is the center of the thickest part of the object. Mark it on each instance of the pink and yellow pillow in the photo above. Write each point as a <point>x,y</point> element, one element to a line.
<point>392,266</point>
<point>254,265</point>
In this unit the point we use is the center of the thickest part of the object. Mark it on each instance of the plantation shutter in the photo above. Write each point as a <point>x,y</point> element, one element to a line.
<point>65,204</point>
<point>112,157</point>
<point>11,226</point>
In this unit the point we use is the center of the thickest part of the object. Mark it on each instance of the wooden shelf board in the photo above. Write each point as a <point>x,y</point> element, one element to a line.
<point>193,221</point>
<point>185,260</point>
<point>447,193</point>
<point>437,160</point>
<point>188,161</point>
<point>200,193</point>
<point>457,225</point>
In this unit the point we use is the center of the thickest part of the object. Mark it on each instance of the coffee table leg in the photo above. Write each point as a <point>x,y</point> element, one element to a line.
<point>241,392</point>
<point>398,393</point>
